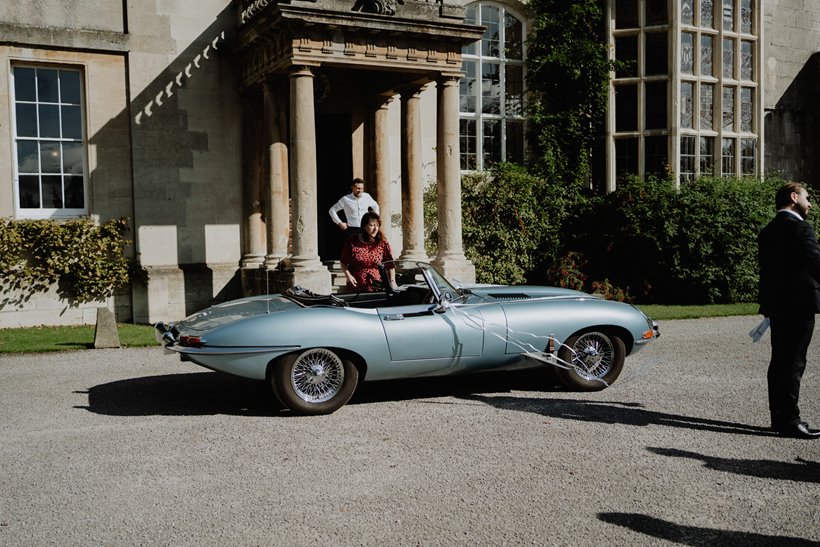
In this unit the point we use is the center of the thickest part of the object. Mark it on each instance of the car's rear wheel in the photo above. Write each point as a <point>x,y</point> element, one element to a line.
<point>596,358</point>
<point>315,381</point>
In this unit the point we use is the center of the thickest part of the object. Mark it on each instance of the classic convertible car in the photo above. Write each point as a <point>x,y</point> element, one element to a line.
<point>314,349</point>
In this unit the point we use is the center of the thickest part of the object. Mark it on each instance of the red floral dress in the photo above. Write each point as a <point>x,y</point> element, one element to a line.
<point>362,260</point>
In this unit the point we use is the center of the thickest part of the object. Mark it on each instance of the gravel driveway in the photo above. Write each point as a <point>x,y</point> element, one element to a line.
<point>133,447</point>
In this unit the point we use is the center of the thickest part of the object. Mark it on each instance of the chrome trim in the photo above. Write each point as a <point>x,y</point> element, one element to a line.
<point>230,351</point>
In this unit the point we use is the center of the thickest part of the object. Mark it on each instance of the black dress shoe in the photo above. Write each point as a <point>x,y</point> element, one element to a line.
<point>799,430</point>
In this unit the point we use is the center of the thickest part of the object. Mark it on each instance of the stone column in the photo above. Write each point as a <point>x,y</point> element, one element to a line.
<point>254,232</point>
<point>381,163</point>
<point>308,270</point>
<point>450,258</point>
<point>412,181</point>
<point>278,194</point>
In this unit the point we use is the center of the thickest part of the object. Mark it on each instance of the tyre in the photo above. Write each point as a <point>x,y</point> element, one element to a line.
<point>597,360</point>
<point>316,381</point>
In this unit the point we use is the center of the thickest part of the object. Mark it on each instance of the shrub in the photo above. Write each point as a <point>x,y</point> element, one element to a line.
<point>86,261</point>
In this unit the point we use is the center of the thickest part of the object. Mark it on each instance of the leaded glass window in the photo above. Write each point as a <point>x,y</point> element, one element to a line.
<point>656,155</point>
<point>626,156</point>
<point>626,51</point>
<point>626,107</point>
<point>727,163</point>
<point>492,89</point>
<point>626,13</point>
<point>747,109</point>
<point>686,106</point>
<point>687,157</point>
<point>707,155</point>
<point>748,156</point>
<point>728,58</point>
<point>729,15</point>
<point>707,49</point>
<point>49,141</point>
<point>687,53</point>
<point>728,108</point>
<point>656,13</point>
<point>707,14</point>
<point>746,60</point>
<point>707,106</point>
<point>746,16</point>
<point>687,14</point>
<point>657,61</point>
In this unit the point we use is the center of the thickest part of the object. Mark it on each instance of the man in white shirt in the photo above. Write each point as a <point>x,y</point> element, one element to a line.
<point>355,204</point>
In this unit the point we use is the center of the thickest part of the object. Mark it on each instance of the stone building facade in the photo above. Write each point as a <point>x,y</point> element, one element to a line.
<point>223,130</point>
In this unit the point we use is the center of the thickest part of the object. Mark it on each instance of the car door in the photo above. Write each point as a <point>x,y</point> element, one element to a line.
<point>438,336</point>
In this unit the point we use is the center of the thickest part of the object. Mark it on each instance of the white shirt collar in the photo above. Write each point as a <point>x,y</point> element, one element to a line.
<point>795,215</point>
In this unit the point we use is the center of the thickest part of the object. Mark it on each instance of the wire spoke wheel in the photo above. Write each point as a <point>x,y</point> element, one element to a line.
<point>593,355</point>
<point>317,375</point>
<point>597,360</point>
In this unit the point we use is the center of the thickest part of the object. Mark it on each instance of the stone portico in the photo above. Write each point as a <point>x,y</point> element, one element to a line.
<point>336,66</point>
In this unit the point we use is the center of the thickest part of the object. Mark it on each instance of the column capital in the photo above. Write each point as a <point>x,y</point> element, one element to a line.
<point>297,71</point>
<point>409,91</point>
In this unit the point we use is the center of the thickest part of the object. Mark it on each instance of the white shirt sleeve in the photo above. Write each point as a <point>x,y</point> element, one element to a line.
<point>334,211</point>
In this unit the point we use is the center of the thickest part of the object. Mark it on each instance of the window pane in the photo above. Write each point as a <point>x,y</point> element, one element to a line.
<point>490,46</point>
<point>26,115</point>
<point>655,156</point>
<point>515,142</point>
<point>52,191</point>
<point>687,52</point>
<point>467,87</point>
<point>657,61</point>
<point>728,58</point>
<point>47,90</point>
<point>514,90</point>
<point>728,157</point>
<point>467,141</point>
<point>71,122</point>
<point>728,15</point>
<point>27,161</point>
<point>656,104</point>
<point>746,60</point>
<point>73,158</point>
<point>470,18</point>
<point>490,89</point>
<point>491,144</point>
<point>74,192</point>
<point>70,86</point>
<point>49,121</point>
<point>707,155</point>
<point>686,106</point>
<point>513,37</point>
<point>687,16</point>
<point>747,109</point>
<point>24,86</point>
<point>50,157</point>
<point>707,48</point>
<point>626,157</point>
<point>707,106</point>
<point>626,52</point>
<point>626,13</point>
<point>656,12</point>
<point>687,158</point>
<point>748,157</point>
<point>746,16</point>
<point>707,14</point>
<point>728,108</point>
<point>626,107</point>
<point>29,190</point>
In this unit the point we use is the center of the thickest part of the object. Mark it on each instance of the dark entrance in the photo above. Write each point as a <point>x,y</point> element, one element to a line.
<point>334,173</point>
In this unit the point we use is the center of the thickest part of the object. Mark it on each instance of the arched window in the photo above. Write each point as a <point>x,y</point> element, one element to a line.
<point>491,123</point>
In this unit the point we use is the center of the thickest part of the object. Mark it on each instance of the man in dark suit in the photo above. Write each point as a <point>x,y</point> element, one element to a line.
<point>789,297</point>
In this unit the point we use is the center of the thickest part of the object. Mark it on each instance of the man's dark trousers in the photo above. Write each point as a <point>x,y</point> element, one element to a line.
<point>791,335</point>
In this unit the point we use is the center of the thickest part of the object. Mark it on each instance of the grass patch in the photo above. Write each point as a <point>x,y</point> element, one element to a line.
<point>660,313</point>
<point>40,339</point>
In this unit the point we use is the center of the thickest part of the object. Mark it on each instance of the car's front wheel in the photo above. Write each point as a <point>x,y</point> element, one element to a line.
<point>315,381</point>
<point>596,358</point>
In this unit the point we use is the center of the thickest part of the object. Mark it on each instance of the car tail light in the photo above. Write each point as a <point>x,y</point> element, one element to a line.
<point>190,341</point>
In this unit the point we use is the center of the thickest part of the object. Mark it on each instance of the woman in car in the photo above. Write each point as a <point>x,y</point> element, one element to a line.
<point>363,253</point>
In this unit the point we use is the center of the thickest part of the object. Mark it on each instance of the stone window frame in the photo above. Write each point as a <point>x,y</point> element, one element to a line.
<point>49,212</point>
<point>477,118</point>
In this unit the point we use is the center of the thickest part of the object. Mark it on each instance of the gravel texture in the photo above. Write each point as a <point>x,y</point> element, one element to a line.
<point>133,447</point>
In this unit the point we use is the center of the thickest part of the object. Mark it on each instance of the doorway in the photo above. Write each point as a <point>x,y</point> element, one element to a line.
<point>334,173</point>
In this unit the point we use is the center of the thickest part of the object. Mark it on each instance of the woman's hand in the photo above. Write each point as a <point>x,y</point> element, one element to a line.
<point>350,279</point>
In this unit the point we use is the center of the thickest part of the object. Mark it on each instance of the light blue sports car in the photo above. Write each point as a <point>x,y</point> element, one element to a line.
<point>315,349</point>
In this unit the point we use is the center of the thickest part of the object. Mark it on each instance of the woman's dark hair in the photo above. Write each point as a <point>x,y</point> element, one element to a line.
<point>366,218</point>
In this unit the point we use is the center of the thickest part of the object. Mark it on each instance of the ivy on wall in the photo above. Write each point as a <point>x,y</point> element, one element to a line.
<point>86,261</point>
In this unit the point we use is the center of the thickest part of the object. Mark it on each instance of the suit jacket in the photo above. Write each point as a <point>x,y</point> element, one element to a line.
<point>789,267</point>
